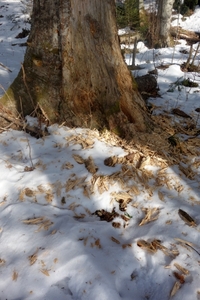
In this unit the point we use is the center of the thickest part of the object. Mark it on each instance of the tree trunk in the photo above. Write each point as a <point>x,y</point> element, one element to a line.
<point>163,22</point>
<point>74,70</point>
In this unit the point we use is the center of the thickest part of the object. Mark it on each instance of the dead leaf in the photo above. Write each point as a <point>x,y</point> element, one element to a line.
<point>41,222</point>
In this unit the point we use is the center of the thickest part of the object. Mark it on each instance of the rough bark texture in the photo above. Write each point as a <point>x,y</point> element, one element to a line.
<point>164,21</point>
<point>74,69</point>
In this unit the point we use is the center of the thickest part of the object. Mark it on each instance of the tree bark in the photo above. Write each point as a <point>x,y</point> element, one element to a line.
<point>163,22</point>
<point>74,69</point>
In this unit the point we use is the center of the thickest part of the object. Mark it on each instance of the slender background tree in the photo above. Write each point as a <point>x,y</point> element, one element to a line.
<point>163,22</point>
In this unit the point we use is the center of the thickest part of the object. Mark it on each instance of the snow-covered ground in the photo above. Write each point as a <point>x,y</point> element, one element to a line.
<point>77,225</point>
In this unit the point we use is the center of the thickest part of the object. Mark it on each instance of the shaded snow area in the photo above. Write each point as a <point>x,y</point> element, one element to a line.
<point>14,23</point>
<point>87,216</point>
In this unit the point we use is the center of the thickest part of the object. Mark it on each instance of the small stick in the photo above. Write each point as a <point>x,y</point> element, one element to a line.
<point>2,65</point>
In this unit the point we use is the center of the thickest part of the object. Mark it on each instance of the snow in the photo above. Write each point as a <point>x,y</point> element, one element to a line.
<point>53,245</point>
<point>191,23</point>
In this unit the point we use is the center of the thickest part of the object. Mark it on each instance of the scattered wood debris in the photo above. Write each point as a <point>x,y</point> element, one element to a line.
<point>151,214</point>
<point>33,258</point>
<point>105,215</point>
<point>75,182</point>
<point>85,142</point>
<point>146,246</point>
<point>111,161</point>
<point>187,171</point>
<point>185,243</point>
<point>155,245</point>
<point>43,224</point>
<point>123,198</point>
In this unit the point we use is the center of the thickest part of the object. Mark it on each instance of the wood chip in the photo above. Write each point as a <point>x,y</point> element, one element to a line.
<point>33,258</point>
<point>186,218</point>
<point>29,192</point>
<point>115,240</point>
<point>157,245</point>
<point>181,269</point>
<point>74,182</point>
<point>123,199</point>
<point>161,196</point>
<point>111,161</point>
<point>185,243</point>
<point>175,288</point>
<point>45,272</point>
<point>78,159</point>
<point>41,222</point>
<point>151,214</point>
<point>33,221</point>
<point>146,246</point>
<point>90,165</point>
<point>14,276</point>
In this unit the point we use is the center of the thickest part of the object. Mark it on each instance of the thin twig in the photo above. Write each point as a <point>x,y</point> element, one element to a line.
<point>25,83</point>
<point>2,65</point>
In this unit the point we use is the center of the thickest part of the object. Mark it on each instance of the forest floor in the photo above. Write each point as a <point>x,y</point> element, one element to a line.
<point>85,215</point>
